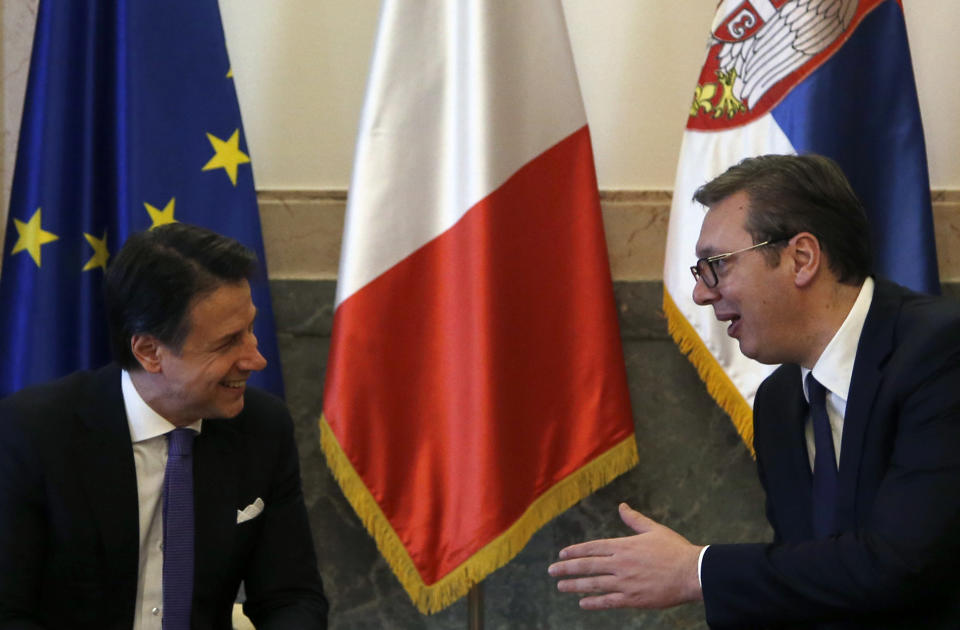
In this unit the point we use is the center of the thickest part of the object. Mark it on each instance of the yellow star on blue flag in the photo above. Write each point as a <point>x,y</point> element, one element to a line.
<point>30,236</point>
<point>161,217</point>
<point>227,155</point>
<point>100,252</point>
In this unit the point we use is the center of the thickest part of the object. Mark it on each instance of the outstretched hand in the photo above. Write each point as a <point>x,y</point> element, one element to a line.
<point>656,568</point>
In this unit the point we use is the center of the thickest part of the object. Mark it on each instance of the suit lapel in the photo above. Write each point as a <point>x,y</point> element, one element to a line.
<point>796,411</point>
<point>876,343</point>
<point>798,440</point>
<point>104,460</point>
<point>215,498</point>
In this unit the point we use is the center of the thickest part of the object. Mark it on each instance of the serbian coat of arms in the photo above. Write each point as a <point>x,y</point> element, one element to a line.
<point>760,49</point>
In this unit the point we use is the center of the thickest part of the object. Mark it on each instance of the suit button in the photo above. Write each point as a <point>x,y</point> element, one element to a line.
<point>155,611</point>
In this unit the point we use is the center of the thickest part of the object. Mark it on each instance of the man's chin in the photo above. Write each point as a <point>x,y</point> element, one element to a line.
<point>749,350</point>
<point>231,409</point>
<point>752,352</point>
<point>237,408</point>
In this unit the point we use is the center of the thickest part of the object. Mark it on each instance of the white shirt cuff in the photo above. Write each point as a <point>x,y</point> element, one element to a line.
<point>700,564</point>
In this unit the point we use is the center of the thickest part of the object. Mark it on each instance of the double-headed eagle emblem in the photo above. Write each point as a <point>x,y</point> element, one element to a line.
<point>756,44</point>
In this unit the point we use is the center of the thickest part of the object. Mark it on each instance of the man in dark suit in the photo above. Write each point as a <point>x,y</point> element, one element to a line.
<point>857,434</point>
<point>92,502</point>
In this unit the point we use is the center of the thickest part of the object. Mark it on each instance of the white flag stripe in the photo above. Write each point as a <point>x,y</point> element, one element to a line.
<point>703,156</point>
<point>465,110</point>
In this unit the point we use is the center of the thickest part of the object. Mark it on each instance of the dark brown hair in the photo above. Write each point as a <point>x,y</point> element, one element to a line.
<point>790,194</point>
<point>158,274</point>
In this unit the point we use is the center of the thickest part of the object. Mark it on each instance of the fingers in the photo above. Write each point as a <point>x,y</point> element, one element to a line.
<point>591,548</point>
<point>635,520</point>
<point>580,566</point>
<point>591,584</point>
<point>601,602</point>
<point>606,586</point>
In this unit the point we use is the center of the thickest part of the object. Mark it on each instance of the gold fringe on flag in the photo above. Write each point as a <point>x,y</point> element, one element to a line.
<point>718,383</point>
<point>430,598</point>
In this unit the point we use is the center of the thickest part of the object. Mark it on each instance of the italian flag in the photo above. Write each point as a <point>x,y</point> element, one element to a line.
<point>475,385</point>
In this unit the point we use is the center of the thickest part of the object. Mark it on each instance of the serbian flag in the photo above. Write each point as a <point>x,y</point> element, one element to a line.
<point>800,76</point>
<point>475,384</point>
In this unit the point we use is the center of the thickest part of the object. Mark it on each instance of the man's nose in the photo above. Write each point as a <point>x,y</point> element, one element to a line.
<point>252,360</point>
<point>704,295</point>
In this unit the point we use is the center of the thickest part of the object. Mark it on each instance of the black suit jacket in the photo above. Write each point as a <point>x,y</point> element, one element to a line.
<point>69,531</point>
<point>896,563</point>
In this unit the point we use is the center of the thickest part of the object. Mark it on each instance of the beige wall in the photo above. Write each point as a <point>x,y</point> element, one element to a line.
<point>301,67</point>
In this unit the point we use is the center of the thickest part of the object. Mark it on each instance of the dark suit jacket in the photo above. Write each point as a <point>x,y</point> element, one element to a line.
<point>896,563</point>
<point>69,540</point>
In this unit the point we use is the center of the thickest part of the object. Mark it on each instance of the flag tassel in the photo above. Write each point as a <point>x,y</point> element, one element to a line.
<point>719,385</point>
<point>430,598</point>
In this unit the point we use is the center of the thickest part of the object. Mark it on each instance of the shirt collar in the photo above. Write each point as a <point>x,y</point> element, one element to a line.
<point>144,423</point>
<point>834,368</point>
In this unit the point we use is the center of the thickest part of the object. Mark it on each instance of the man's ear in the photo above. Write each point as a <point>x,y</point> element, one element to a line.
<point>146,350</point>
<point>806,258</point>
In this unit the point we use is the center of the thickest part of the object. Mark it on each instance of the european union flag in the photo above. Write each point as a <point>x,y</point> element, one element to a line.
<point>131,121</point>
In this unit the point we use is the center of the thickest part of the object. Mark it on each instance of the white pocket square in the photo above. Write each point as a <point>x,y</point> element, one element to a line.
<point>252,511</point>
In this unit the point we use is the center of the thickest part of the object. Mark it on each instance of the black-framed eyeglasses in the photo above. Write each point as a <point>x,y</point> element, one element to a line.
<point>706,268</point>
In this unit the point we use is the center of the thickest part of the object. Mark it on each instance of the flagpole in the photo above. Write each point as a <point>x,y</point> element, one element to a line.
<point>475,607</point>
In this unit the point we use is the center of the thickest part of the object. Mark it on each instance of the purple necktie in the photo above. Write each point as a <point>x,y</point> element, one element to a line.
<point>178,530</point>
<point>824,462</point>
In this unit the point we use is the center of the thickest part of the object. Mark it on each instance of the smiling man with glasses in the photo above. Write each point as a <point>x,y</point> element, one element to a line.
<point>857,434</point>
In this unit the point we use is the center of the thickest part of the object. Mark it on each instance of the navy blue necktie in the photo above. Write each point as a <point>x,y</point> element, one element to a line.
<point>824,462</point>
<point>178,530</point>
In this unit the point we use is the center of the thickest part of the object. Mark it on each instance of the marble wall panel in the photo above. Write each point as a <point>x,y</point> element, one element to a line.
<point>694,475</point>
<point>17,19</point>
<point>302,231</point>
<point>946,221</point>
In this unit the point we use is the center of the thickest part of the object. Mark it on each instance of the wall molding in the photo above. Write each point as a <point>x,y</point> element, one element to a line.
<point>302,231</point>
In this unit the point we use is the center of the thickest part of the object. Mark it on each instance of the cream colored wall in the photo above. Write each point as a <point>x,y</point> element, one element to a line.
<point>932,29</point>
<point>306,65</point>
<point>301,67</point>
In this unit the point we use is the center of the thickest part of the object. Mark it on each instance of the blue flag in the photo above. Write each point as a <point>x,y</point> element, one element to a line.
<point>875,134</point>
<point>130,121</point>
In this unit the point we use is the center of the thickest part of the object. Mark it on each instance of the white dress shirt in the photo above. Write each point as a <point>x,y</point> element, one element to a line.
<point>148,431</point>
<point>834,370</point>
